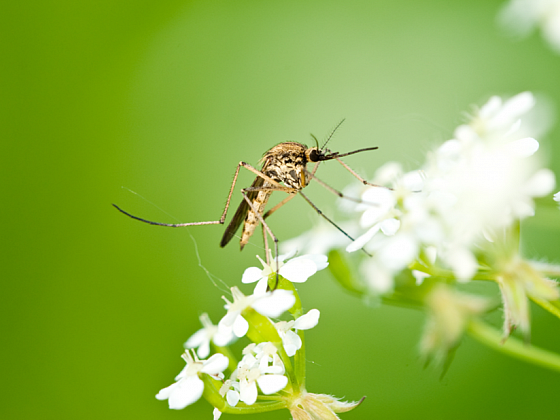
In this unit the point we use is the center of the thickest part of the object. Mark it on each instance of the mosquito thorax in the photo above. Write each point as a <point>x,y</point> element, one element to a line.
<point>286,163</point>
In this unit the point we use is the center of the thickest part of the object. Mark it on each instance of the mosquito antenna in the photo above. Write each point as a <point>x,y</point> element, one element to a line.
<point>332,133</point>
<point>316,141</point>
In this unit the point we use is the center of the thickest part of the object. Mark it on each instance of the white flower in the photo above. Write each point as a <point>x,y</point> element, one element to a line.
<point>297,270</point>
<point>260,365</point>
<point>271,304</point>
<point>189,387</point>
<point>202,337</point>
<point>287,330</point>
<point>230,389</point>
<point>520,17</point>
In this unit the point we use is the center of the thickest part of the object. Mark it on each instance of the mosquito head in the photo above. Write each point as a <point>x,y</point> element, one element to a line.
<point>316,154</point>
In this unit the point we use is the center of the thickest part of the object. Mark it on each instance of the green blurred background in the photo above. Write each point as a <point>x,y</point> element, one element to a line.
<point>164,98</point>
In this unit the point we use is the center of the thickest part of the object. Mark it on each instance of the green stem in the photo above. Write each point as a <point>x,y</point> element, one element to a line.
<point>299,361</point>
<point>253,409</point>
<point>551,306</point>
<point>513,347</point>
<point>432,270</point>
<point>292,376</point>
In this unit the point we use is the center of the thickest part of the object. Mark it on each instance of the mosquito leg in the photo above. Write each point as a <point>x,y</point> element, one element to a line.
<point>277,186</point>
<point>265,177</point>
<point>312,173</point>
<point>277,206</point>
<point>215,222</point>
<point>270,188</point>
<point>324,216</point>
<point>265,226</point>
<point>265,240</point>
<point>331,189</point>
<point>358,177</point>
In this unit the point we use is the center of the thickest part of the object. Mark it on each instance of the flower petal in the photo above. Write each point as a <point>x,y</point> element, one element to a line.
<point>290,349</point>
<point>217,363</point>
<point>248,392</point>
<point>523,147</point>
<point>188,391</point>
<point>291,342</point>
<point>204,350</point>
<point>228,319</point>
<point>298,270</point>
<point>223,337</point>
<point>287,256</point>
<point>274,304</point>
<point>164,393</point>
<point>240,326</point>
<point>196,339</point>
<point>307,321</point>
<point>541,183</point>
<point>320,260</point>
<point>232,397</point>
<point>251,275</point>
<point>260,288</point>
<point>216,413</point>
<point>269,384</point>
<point>364,239</point>
<point>390,226</point>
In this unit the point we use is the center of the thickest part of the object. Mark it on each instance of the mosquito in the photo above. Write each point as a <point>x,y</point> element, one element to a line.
<point>284,168</point>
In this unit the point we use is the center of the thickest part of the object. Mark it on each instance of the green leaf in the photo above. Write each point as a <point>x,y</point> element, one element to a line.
<point>343,274</point>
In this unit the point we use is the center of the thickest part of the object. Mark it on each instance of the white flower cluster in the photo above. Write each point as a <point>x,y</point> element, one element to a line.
<point>470,189</point>
<point>474,185</point>
<point>261,365</point>
<point>520,17</point>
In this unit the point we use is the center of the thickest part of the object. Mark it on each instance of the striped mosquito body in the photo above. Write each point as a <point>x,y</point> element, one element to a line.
<point>284,163</point>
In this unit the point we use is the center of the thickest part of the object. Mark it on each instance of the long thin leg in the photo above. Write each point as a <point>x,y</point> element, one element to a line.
<point>331,189</point>
<point>269,188</point>
<point>324,216</point>
<point>277,206</point>
<point>358,177</point>
<point>265,226</point>
<point>276,187</point>
<point>265,241</point>
<point>313,172</point>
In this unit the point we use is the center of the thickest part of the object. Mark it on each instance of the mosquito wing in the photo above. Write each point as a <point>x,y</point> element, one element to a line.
<point>241,213</point>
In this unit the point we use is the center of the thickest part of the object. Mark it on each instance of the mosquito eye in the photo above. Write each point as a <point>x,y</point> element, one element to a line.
<point>314,156</point>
